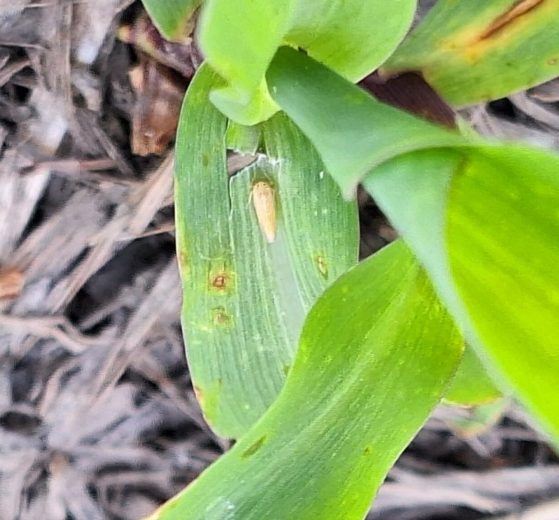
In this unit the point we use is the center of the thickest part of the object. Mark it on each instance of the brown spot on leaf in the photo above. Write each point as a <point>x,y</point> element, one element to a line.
<point>221,317</point>
<point>199,393</point>
<point>503,21</point>
<point>220,282</point>
<point>322,265</point>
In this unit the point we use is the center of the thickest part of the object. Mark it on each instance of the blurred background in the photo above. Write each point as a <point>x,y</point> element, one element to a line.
<point>97,416</point>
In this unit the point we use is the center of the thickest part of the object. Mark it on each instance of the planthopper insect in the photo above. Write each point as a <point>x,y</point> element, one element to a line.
<point>263,199</point>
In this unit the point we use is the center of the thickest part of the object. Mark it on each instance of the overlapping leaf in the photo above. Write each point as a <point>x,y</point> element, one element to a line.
<point>240,38</point>
<point>375,355</point>
<point>245,299</point>
<point>481,218</point>
<point>476,50</point>
<point>471,385</point>
<point>171,17</point>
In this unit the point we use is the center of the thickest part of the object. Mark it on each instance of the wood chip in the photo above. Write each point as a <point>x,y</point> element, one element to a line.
<point>11,283</point>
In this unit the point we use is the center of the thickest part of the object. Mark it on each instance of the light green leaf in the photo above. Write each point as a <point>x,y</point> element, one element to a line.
<point>375,354</point>
<point>476,50</point>
<point>245,299</point>
<point>481,218</point>
<point>471,385</point>
<point>479,419</point>
<point>336,117</point>
<point>171,17</point>
<point>496,256</point>
<point>239,40</point>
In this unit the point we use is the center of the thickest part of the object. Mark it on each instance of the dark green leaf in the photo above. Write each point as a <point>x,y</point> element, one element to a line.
<point>375,355</point>
<point>245,299</point>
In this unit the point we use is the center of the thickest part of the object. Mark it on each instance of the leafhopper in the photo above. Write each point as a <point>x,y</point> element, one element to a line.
<point>263,200</point>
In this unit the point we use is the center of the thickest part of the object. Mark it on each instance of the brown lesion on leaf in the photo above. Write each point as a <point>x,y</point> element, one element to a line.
<point>322,266</point>
<point>220,281</point>
<point>208,397</point>
<point>502,22</point>
<point>183,263</point>
<point>199,393</point>
<point>251,450</point>
<point>221,317</point>
<point>183,257</point>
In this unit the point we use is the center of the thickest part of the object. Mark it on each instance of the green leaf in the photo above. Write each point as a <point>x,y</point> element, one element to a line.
<point>471,385</point>
<point>245,299</point>
<point>171,17</point>
<point>375,354</point>
<point>243,139</point>
<point>480,419</point>
<point>494,257</point>
<point>239,40</point>
<point>481,218</point>
<point>476,50</point>
<point>343,121</point>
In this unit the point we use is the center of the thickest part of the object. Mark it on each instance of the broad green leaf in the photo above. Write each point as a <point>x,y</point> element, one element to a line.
<point>481,218</point>
<point>476,50</point>
<point>336,117</point>
<point>495,256</point>
<point>171,17</point>
<point>239,40</point>
<point>471,385</point>
<point>374,357</point>
<point>245,299</point>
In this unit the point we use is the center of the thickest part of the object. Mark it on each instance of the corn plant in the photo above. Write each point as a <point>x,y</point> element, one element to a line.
<point>323,369</point>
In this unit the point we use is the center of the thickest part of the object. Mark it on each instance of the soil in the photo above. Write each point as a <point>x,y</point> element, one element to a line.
<point>97,415</point>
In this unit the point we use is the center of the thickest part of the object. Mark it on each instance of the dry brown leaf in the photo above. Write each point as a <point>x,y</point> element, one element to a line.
<point>182,57</point>
<point>159,93</point>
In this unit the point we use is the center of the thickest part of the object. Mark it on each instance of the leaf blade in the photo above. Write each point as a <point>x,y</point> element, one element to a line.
<point>343,117</point>
<point>338,401</point>
<point>351,36</point>
<point>479,51</point>
<point>506,302</point>
<point>244,299</point>
<point>427,191</point>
